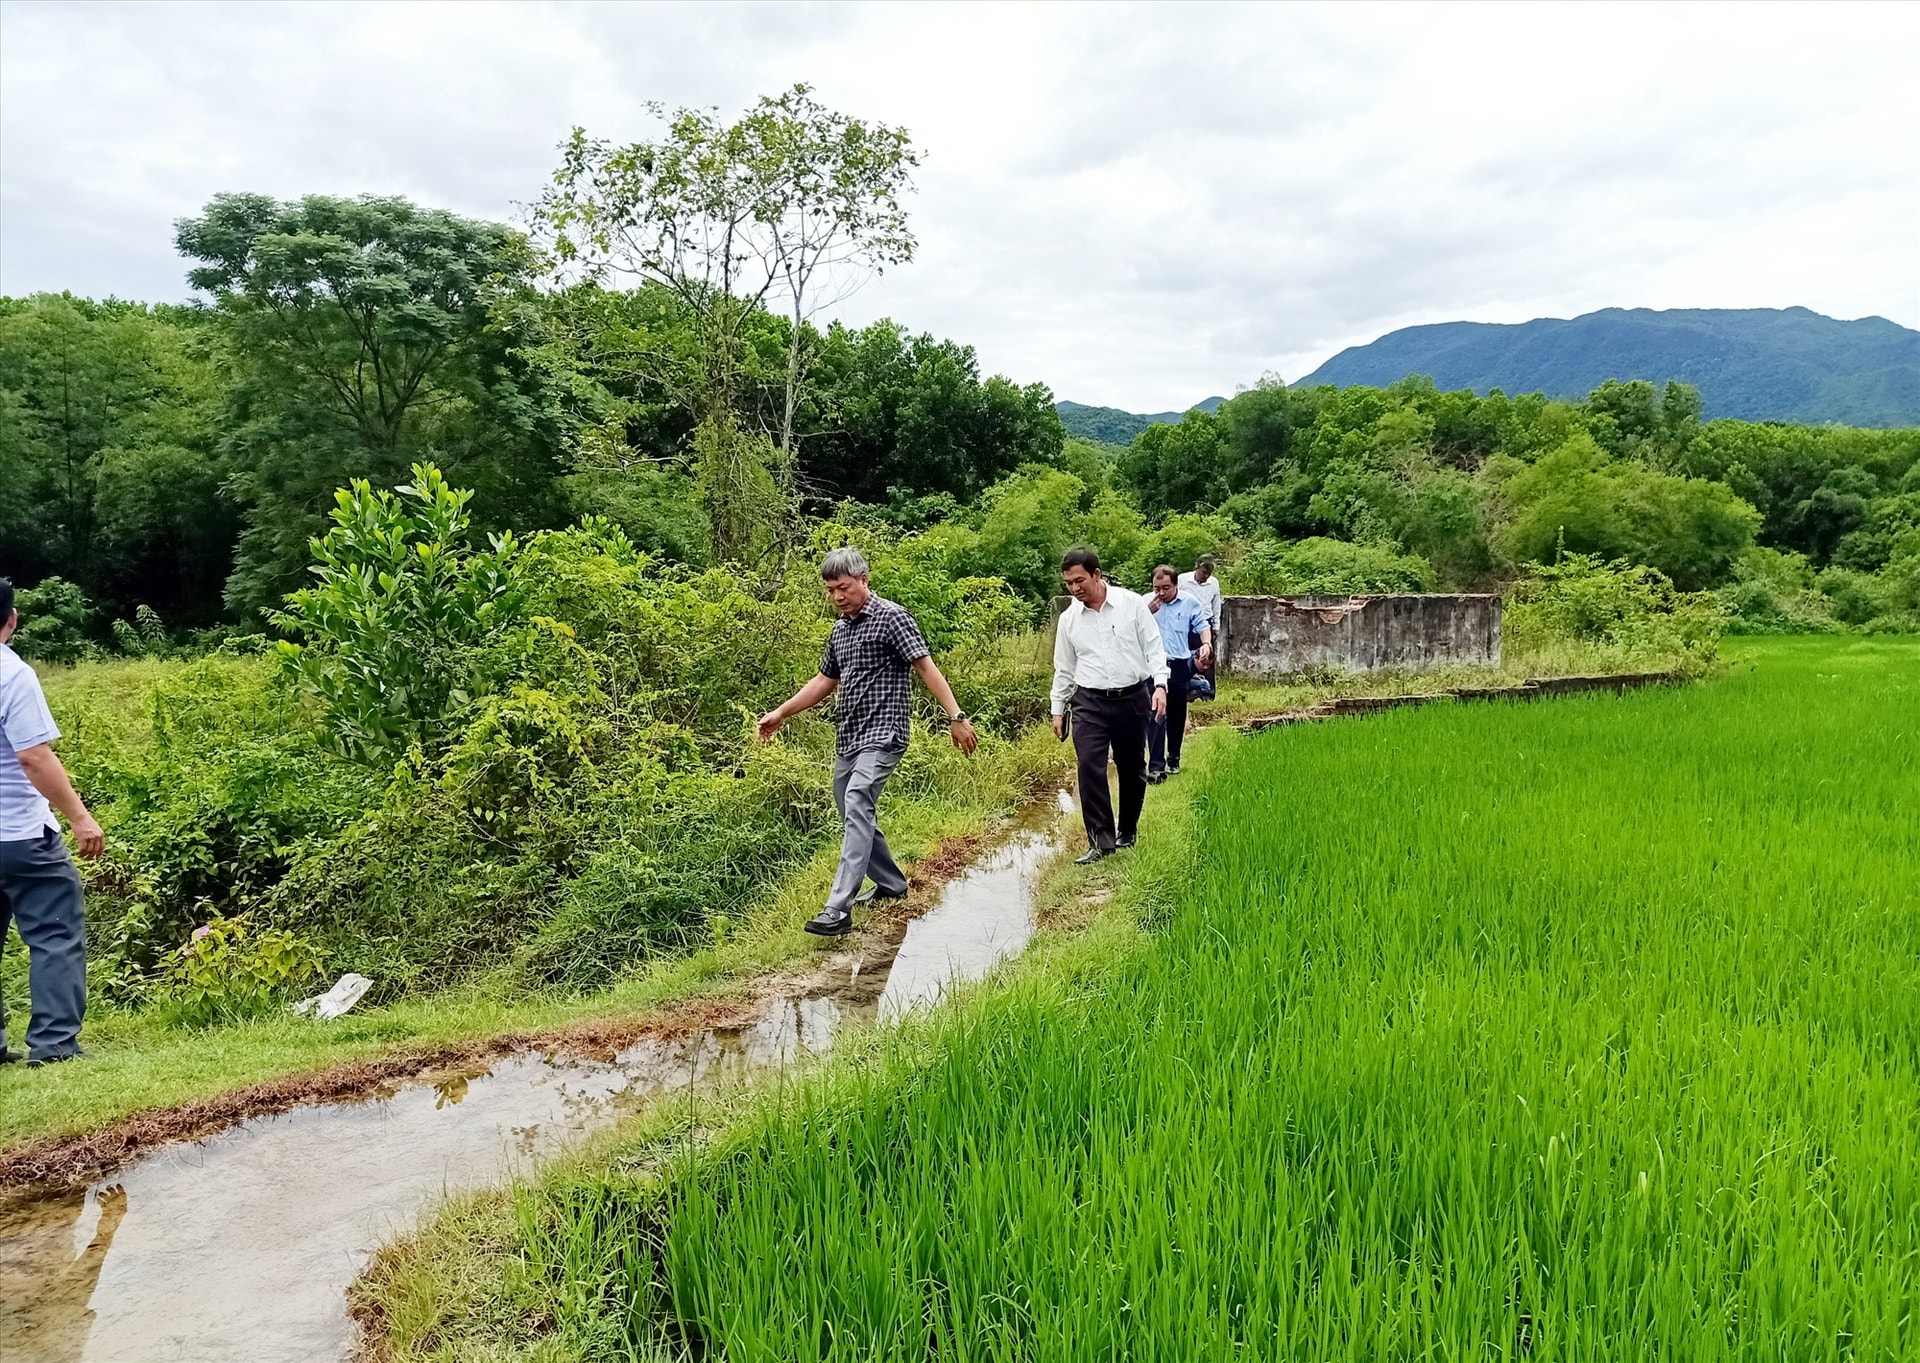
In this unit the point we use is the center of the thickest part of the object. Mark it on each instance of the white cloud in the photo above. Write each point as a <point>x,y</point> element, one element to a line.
<point>1139,205</point>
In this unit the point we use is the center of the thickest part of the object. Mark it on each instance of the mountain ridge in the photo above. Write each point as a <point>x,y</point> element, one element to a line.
<point>1113,426</point>
<point>1757,364</point>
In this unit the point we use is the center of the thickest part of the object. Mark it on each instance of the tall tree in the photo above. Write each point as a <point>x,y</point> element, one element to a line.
<point>912,413</point>
<point>785,210</point>
<point>357,331</point>
<point>107,473</point>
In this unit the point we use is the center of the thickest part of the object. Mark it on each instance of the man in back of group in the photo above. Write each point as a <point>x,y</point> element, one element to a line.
<point>39,888</point>
<point>872,655</point>
<point>1108,661</point>
<point>1203,586</point>
<point>1180,619</point>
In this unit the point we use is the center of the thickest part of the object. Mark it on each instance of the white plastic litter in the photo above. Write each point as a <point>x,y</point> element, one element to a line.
<point>347,990</point>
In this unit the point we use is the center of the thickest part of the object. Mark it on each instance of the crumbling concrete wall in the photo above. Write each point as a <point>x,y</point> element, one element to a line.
<point>1272,636</point>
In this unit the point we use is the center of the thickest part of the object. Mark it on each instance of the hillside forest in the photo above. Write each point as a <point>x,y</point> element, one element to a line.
<point>423,576</point>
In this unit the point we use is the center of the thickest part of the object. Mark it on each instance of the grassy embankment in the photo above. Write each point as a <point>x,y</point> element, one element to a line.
<point>138,1062</point>
<point>1573,1029</point>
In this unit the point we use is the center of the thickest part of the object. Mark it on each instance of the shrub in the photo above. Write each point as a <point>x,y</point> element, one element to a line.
<point>1313,566</point>
<point>1629,607</point>
<point>144,636</point>
<point>401,603</point>
<point>1773,593</point>
<point>55,618</point>
<point>228,785</point>
<point>227,972</point>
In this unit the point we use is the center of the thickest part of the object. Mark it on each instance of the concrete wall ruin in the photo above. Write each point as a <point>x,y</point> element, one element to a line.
<point>1272,636</point>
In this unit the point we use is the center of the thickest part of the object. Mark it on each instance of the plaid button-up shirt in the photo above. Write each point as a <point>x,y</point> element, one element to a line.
<point>871,654</point>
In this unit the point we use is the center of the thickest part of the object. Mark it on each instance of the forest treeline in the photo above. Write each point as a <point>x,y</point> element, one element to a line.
<point>181,458</point>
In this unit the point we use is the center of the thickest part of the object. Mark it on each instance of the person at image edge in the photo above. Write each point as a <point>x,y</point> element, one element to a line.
<point>39,887</point>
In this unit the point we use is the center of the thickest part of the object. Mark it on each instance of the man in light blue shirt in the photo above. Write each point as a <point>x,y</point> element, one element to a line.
<point>1180,617</point>
<point>39,888</point>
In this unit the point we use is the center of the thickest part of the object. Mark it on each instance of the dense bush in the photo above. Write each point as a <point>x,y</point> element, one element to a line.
<point>227,972</point>
<point>536,756</point>
<point>1630,608</point>
<point>55,619</point>
<point>1276,568</point>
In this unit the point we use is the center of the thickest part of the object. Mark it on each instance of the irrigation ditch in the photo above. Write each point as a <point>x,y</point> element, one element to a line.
<point>231,1229</point>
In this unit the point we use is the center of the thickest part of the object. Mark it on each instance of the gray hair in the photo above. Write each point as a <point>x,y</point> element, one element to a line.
<point>844,562</point>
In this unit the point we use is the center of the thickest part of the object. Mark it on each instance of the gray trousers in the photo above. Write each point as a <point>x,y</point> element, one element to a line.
<point>40,891</point>
<point>858,779</point>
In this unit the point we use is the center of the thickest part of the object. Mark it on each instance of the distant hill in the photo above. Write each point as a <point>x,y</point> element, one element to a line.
<point>1760,364</point>
<point>1114,426</point>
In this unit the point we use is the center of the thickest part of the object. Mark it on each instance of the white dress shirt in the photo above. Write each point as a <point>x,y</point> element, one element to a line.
<point>1206,593</point>
<point>1115,646</point>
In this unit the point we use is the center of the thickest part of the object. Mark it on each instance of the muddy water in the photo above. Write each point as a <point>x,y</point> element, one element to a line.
<point>241,1246</point>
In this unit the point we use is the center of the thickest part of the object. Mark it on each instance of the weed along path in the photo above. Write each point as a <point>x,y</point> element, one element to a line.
<point>242,1246</point>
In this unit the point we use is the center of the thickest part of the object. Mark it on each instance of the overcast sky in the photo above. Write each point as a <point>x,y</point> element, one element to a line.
<point>1140,206</point>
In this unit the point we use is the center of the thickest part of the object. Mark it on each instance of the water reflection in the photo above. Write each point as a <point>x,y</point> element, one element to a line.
<point>45,1286</point>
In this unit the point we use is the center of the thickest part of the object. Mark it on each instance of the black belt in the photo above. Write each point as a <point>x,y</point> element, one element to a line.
<point>1114,692</point>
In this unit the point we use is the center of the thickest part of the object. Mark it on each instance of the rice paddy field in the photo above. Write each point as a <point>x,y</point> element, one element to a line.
<point>1575,1029</point>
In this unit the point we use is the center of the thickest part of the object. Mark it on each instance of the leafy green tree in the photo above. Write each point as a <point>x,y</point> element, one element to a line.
<point>357,336</point>
<point>1577,499</point>
<point>783,210</point>
<point>910,412</point>
<point>1174,467</point>
<point>389,633</point>
<point>1839,506</point>
<point>107,474</point>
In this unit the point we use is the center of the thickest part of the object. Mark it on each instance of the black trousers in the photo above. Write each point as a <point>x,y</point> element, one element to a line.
<point>1164,736</point>
<point>1116,726</point>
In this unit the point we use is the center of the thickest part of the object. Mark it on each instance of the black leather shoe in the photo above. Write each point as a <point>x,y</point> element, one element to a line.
<point>1126,840</point>
<point>11,1057</point>
<point>874,894</point>
<point>827,923</point>
<point>40,1060</point>
<point>1174,770</point>
<point>1091,855</point>
<point>1154,778</point>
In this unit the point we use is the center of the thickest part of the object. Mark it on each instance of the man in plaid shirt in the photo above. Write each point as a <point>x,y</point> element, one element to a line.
<point>874,649</point>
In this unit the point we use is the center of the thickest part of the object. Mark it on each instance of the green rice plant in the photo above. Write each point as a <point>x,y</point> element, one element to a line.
<point>1584,1029</point>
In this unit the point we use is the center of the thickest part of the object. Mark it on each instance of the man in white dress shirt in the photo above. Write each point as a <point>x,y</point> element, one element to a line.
<point>1109,663</point>
<point>1204,587</point>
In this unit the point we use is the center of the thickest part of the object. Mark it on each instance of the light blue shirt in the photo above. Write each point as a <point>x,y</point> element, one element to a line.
<point>1178,619</point>
<point>25,722</point>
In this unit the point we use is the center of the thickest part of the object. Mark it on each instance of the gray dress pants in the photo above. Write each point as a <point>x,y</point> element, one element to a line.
<point>40,891</point>
<point>858,779</point>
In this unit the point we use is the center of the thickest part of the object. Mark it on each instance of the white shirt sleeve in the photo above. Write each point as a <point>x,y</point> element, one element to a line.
<point>1064,659</point>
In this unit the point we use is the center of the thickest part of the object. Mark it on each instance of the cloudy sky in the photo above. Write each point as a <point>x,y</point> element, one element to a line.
<point>1138,205</point>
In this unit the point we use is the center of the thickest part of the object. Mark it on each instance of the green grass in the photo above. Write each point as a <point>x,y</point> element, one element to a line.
<point>1562,1030</point>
